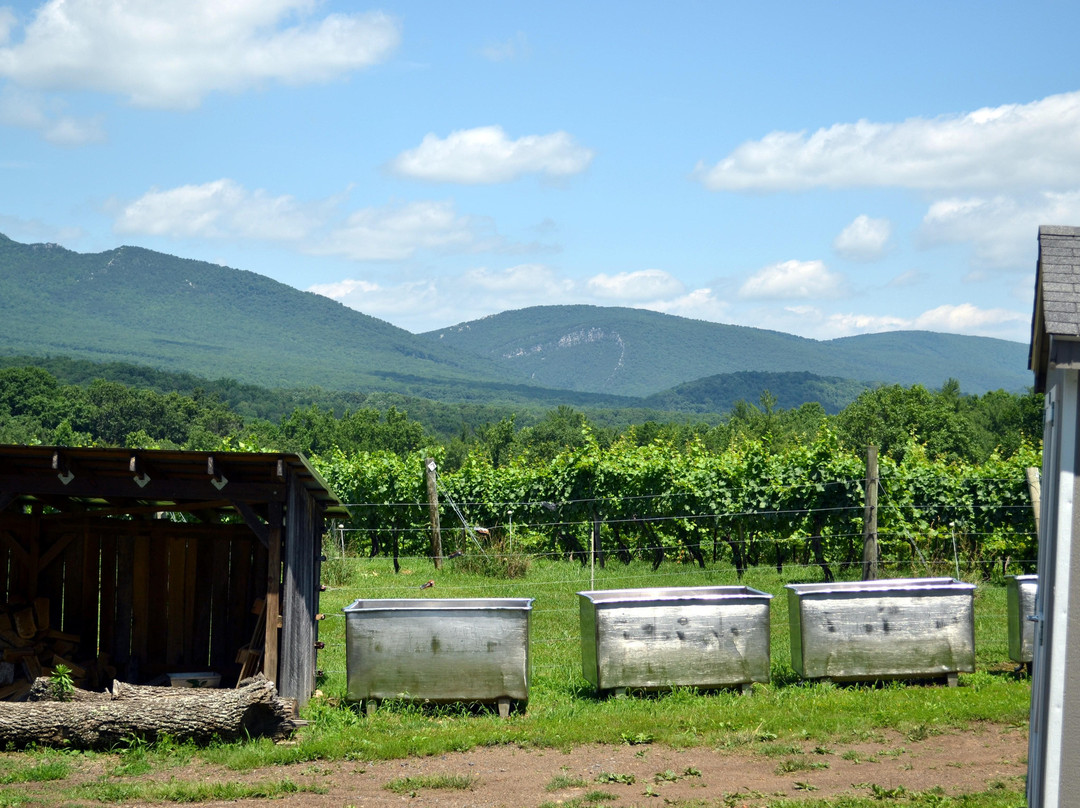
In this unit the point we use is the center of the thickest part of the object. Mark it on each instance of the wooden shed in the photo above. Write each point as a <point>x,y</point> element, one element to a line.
<point>1054,739</point>
<point>149,563</point>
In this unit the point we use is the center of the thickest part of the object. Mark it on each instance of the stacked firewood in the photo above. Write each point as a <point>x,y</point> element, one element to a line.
<point>30,648</point>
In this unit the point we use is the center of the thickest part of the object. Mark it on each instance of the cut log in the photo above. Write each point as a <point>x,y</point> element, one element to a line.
<point>100,721</point>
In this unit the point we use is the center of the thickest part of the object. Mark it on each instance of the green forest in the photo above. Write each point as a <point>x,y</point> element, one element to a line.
<point>758,485</point>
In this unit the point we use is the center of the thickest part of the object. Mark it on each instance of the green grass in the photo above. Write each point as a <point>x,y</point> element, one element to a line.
<point>412,785</point>
<point>563,711</point>
<point>50,767</point>
<point>111,792</point>
<point>786,718</point>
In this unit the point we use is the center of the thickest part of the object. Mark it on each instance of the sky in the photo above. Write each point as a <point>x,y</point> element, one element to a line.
<point>823,169</point>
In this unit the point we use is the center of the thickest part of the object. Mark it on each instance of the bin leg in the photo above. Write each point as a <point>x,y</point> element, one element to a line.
<point>369,706</point>
<point>504,708</point>
<point>747,688</point>
<point>954,679</point>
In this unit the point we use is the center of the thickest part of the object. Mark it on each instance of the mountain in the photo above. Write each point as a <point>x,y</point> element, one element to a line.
<point>639,353</point>
<point>137,306</point>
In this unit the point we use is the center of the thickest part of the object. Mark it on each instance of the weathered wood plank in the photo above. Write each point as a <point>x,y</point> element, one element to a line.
<point>176,548</point>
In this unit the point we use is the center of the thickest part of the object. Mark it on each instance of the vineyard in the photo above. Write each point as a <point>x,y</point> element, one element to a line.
<point>803,504</point>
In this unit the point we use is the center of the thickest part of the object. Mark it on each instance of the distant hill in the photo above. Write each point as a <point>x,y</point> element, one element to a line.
<point>639,353</point>
<point>721,392</point>
<point>139,307</point>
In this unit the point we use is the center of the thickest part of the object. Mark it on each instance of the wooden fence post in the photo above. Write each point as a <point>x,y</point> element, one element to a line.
<point>870,545</point>
<point>433,511</point>
<point>1034,490</point>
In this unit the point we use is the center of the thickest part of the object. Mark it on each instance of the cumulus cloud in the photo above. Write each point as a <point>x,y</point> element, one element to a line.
<point>966,319</point>
<point>485,155</point>
<point>865,239</point>
<point>7,24</point>
<point>1014,146</point>
<point>397,232</point>
<point>645,284</point>
<point>1001,229</point>
<point>793,279</point>
<point>386,301</point>
<point>224,209</point>
<point>522,282</point>
<point>698,304</point>
<point>218,209</point>
<point>170,54</point>
<point>31,111</point>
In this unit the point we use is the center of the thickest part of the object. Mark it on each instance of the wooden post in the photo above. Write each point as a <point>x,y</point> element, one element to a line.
<point>433,511</point>
<point>870,546</point>
<point>1034,490</point>
<point>273,594</point>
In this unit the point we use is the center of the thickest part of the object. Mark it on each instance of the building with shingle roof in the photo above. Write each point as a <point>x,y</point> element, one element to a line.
<point>1054,731</point>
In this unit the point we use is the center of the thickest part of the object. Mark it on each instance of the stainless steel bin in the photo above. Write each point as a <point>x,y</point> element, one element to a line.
<point>1020,605</point>
<point>890,629</point>
<point>710,636</point>
<point>439,650</point>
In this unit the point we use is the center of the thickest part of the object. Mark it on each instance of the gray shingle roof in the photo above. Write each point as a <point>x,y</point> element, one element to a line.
<point>1057,293</point>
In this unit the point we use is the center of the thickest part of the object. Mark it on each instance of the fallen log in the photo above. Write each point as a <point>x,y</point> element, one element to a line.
<point>101,720</point>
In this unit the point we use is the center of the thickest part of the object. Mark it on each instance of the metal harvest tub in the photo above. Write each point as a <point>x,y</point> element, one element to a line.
<point>439,650</point>
<point>709,636</point>
<point>890,629</point>
<point>1020,598</point>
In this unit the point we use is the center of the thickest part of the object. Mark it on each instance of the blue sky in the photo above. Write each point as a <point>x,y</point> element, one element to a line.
<point>823,169</point>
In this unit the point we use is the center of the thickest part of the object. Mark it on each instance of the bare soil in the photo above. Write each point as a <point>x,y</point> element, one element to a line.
<point>975,760</point>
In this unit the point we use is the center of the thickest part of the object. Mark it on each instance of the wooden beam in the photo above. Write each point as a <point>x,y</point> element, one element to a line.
<point>273,592</point>
<point>8,540</point>
<point>252,520</point>
<point>105,487</point>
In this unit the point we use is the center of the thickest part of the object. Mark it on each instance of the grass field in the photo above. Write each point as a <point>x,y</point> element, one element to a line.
<point>563,711</point>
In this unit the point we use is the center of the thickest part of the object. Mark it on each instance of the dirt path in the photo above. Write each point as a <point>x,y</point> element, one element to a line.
<point>635,775</point>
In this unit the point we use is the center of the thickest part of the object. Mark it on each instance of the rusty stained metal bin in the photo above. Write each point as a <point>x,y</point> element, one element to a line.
<point>707,637</point>
<point>1020,606</point>
<point>902,628</point>
<point>439,650</point>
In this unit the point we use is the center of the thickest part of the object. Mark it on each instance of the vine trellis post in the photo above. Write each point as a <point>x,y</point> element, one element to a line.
<point>870,533</point>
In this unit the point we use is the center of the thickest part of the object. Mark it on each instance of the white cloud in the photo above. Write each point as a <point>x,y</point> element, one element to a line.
<point>383,301</point>
<point>1014,146</point>
<point>397,232</point>
<point>218,209</point>
<point>486,155</point>
<point>523,282</point>
<point>645,284</point>
<point>865,239</point>
<point>1001,229</point>
<point>516,47</point>
<point>172,53</point>
<point>967,319</point>
<point>698,304</point>
<point>793,279</point>
<point>7,23</point>
<point>30,111</point>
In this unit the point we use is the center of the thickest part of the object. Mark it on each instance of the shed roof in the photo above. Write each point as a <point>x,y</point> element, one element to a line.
<point>1057,296</point>
<point>106,482</point>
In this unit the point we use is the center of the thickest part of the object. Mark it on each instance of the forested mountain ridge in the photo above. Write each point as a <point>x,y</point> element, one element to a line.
<point>134,305</point>
<point>138,306</point>
<point>640,352</point>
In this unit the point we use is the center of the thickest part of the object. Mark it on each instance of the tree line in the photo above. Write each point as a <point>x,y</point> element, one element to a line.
<point>36,407</point>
